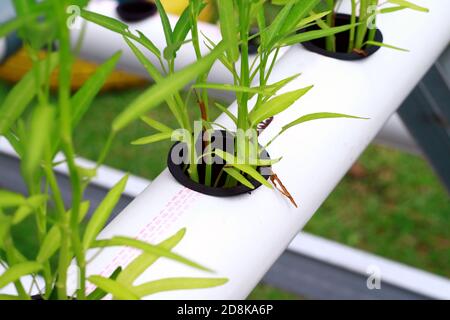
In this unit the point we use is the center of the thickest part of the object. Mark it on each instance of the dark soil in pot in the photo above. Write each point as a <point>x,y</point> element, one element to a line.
<point>342,41</point>
<point>136,11</point>
<point>181,175</point>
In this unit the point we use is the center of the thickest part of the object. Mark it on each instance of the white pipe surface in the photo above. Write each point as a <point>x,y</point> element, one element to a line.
<point>241,237</point>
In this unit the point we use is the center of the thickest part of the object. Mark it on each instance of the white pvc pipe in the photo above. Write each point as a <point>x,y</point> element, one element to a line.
<point>2,49</point>
<point>241,237</point>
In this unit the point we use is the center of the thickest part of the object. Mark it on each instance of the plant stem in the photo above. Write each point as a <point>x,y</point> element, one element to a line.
<point>331,40</point>
<point>351,42</point>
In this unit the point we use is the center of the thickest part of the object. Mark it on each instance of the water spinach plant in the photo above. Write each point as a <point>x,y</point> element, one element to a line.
<point>39,127</point>
<point>204,162</point>
<point>363,19</point>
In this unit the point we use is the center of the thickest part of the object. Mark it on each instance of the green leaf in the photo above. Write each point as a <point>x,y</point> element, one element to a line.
<point>145,260</point>
<point>23,93</point>
<point>276,105</point>
<point>381,44</point>
<point>153,138</point>
<point>273,31</point>
<point>165,89</point>
<point>238,177</point>
<point>313,17</point>
<point>10,199</point>
<point>52,239</point>
<point>231,87</point>
<point>151,69</point>
<point>10,297</point>
<point>409,5</point>
<point>147,248</point>
<point>39,138</point>
<point>233,161</point>
<point>228,28</point>
<point>103,212</point>
<point>104,21</point>
<point>165,24</point>
<point>99,293</point>
<point>17,271</point>
<point>49,245</point>
<point>314,34</point>
<point>296,14</point>
<point>156,124</point>
<point>171,284</point>
<point>31,204</point>
<point>316,116</point>
<point>84,96</point>
<point>148,44</point>
<point>118,290</point>
<point>226,111</point>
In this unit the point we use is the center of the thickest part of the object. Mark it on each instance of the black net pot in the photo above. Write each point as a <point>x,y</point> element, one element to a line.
<point>342,41</point>
<point>179,173</point>
<point>136,10</point>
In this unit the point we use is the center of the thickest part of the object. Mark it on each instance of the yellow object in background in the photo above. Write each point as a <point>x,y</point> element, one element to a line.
<point>13,69</point>
<point>176,7</point>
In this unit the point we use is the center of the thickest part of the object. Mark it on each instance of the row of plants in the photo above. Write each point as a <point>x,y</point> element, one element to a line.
<point>206,157</point>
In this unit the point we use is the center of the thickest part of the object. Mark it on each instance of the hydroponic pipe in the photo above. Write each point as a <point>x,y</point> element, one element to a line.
<point>240,238</point>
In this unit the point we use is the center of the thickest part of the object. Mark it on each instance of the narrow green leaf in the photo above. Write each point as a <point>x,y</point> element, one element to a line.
<point>17,271</point>
<point>226,111</point>
<point>233,161</point>
<point>84,96</point>
<point>409,5</point>
<point>49,245</point>
<point>148,44</point>
<point>172,284</point>
<point>314,34</point>
<point>10,297</point>
<point>22,94</point>
<point>153,138</point>
<point>276,105</point>
<point>118,290</point>
<point>313,17</point>
<point>98,293</point>
<point>239,177</point>
<point>156,124</point>
<point>231,87</point>
<point>145,260</point>
<point>147,248</point>
<point>299,11</point>
<point>52,239</point>
<point>228,27</point>
<point>165,89</point>
<point>165,22</point>
<point>320,115</point>
<point>104,21</point>
<point>103,212</point>
<point>31,204</point>
<point>151,69</point>
<point>39,138</point>
<point>381,44</point>
<point>10,199</point>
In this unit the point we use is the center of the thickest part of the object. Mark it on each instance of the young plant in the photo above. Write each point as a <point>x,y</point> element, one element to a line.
<point>39,127</point>
<point>363,17</point>
<point>257,99</point>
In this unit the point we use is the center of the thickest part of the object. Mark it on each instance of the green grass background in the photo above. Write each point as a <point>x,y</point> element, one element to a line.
<point>398,209</point>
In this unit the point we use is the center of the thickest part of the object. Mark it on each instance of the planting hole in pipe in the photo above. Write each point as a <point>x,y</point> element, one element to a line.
<point>342,42</point>
<point>177,164</point>
<point>136,11</point>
